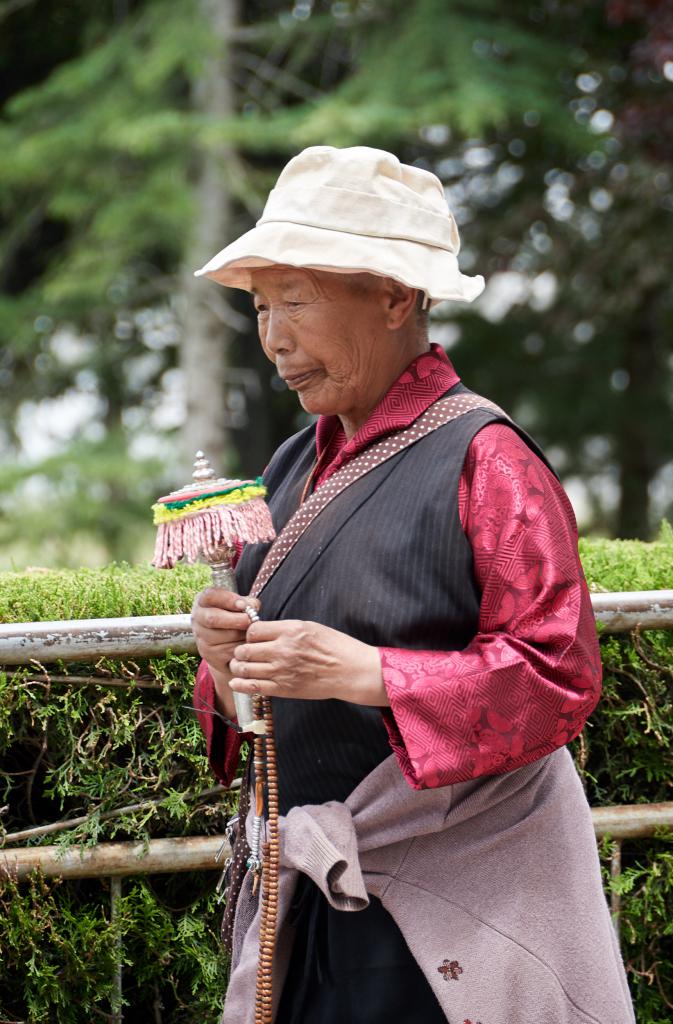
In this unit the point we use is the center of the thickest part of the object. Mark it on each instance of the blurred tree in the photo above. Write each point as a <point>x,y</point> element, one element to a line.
<point>124,176</point>
<point>590,231</point>
<point>546,124</point>
<point>126,172</point>
<point>207,317</point>
<point>94,204</point>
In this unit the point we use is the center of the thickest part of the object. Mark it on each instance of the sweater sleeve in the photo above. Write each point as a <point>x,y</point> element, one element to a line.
<point>528,680</point>
<point>222,743</point>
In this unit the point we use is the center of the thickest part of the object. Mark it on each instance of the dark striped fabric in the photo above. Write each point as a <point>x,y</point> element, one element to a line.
<point>388,563</point>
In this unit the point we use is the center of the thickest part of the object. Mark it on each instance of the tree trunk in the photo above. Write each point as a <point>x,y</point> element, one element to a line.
<point>259,434</point>
<point>206,333</point>
<point>644,415</point>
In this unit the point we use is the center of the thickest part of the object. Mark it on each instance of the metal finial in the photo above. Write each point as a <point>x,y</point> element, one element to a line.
<point>202,469</point>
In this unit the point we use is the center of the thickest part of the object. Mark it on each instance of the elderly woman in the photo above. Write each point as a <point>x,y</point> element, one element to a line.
<point>427,640</point>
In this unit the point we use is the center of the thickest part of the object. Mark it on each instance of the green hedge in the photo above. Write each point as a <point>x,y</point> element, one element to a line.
<point>70,749</point>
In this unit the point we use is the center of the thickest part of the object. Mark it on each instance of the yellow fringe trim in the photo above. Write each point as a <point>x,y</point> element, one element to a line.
<point>239,497</point>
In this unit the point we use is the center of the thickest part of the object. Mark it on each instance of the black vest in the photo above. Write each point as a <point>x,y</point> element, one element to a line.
<point>387,562</point>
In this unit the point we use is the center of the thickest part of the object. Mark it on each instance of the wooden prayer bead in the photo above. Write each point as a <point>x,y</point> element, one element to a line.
<point>267,773</point>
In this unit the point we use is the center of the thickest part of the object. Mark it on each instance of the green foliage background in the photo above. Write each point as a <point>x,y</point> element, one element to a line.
<point>546,122</point>
<point>69,750</point>
<point>89,749</point>
<point>101,116</point>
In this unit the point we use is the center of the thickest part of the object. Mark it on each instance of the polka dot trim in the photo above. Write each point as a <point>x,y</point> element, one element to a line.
<point>438,415</point>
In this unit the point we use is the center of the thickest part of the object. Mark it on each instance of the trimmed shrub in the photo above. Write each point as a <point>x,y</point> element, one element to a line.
<point>85,746</point>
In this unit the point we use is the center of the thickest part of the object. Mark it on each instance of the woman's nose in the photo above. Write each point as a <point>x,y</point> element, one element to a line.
<point>277,332</point>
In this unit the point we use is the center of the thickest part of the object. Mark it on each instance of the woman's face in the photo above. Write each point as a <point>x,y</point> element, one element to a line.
<point>329,336</point>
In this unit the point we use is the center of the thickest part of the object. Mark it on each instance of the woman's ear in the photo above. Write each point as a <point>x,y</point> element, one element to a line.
<point>400,303</point>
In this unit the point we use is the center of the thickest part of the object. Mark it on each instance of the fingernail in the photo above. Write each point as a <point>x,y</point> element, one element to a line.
<point>240,603</point>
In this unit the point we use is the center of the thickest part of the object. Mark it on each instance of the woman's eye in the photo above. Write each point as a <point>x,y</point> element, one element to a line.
<point>261,309</point>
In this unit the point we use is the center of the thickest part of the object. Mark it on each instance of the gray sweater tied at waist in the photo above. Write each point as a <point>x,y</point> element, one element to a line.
<point>494,884</point>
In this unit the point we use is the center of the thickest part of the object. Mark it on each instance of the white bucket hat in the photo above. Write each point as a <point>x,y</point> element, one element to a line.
<point>351,210</point>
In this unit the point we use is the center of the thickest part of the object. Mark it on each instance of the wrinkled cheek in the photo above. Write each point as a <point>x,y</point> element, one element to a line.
<point>320,398</point>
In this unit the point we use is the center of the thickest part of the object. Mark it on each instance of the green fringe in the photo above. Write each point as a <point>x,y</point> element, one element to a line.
<point>257,482</point>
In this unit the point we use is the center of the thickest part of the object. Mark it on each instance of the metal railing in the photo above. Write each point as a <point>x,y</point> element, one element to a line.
<point>40,643</point>
<point>23,643</point>
<point>197,853</point>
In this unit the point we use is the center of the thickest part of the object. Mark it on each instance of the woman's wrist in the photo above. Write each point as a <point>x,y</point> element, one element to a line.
<point>366,686</point>
<point>224,697</point>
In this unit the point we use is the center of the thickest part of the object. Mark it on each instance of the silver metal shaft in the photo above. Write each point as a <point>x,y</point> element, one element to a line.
<point>223,576</point>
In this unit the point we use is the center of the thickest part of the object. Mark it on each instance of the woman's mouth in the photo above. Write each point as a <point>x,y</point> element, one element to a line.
<point>296,381</point>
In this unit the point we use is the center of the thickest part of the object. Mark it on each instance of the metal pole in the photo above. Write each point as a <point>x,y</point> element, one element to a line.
<point>157,856</point>
<point>200,853</point>
<point>615,872</point>
<point>622,611</point>
<point>25,643</point>
<point>631,821</point>
<point>117,980</point>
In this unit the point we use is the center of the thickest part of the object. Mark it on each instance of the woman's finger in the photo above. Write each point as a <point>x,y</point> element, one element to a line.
<point>227,600</point>
<point>255,687</point>
<point>266,652</point>
<point>290,629</point>
<point>217,638</point>
<point>252,670</point>
<point>216,618</point>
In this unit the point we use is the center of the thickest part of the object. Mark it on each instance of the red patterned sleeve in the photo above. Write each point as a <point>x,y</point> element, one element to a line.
<point>531,676</point>
<point>222,743</point>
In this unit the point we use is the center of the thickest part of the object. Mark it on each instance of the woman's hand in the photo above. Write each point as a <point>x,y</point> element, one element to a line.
<point>306,660</point>
<point>219,622</point>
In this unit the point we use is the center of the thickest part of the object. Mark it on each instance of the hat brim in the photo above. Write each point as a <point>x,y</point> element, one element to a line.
<point>416,264</point>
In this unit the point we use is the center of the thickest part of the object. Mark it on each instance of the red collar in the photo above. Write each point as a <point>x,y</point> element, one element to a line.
<point>422,383</point>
